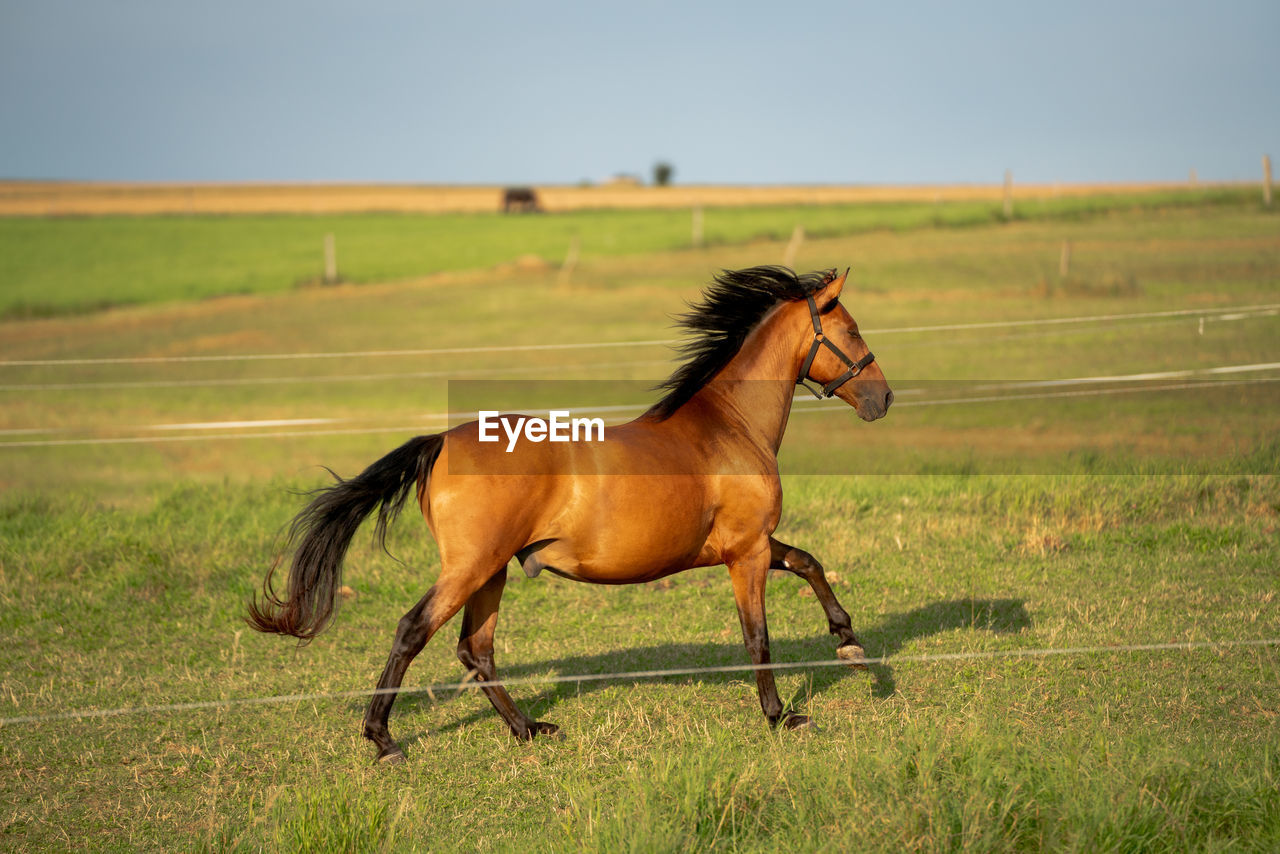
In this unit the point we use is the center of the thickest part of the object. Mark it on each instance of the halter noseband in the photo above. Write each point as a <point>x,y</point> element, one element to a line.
<point>820,340</point>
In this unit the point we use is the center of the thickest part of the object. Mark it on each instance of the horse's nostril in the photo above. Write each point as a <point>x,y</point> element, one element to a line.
<point>888,399</point>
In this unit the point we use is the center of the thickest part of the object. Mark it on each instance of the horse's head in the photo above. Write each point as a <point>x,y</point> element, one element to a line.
<point>831,352</point>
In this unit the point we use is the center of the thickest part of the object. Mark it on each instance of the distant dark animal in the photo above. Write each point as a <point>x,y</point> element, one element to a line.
<point>520,200</point>
<point>692,482</point>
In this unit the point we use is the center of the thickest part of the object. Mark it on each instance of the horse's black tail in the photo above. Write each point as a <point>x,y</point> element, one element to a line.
<point>324,530</point>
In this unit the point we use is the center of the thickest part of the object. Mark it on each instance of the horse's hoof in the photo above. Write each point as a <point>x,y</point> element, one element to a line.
<point>535,729</point>
<point>798,722</point>
<point>852,653</point>
<point>391,756</point>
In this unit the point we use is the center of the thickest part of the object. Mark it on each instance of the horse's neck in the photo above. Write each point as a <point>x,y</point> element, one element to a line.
<point>755,389</point>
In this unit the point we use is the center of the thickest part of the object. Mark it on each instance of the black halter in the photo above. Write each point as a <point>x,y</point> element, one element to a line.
<point>820,340</point>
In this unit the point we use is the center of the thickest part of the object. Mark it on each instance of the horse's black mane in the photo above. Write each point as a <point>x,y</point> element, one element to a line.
<point>730,308</point>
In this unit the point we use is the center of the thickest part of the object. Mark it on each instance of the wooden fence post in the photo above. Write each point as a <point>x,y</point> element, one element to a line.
<point>1266,180</point>
<point>697,228</point>
<point>330,260</point>
<point>1064,260</point>
<point>793,246</point>
<point>570,261</point>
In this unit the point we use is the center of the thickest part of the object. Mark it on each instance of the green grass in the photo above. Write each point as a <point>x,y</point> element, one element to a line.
<point>1160,751</point>
<point>124,570</point>
<point>54,266</point>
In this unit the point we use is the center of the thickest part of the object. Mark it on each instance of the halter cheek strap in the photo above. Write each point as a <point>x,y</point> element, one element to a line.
<point>819,341</point>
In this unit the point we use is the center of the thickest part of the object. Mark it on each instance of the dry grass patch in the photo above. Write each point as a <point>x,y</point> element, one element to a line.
<point>56,198</point>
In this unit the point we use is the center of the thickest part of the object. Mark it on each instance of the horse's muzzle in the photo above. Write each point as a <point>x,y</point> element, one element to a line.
<point>874,405</point>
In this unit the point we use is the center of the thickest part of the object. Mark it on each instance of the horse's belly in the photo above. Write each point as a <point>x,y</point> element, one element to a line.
<point>561,560</point>
<point>638,533</point>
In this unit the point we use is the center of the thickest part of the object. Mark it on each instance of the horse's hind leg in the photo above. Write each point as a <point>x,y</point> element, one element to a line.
<point>475,651</point>
<point>423,620</point>
<point>803,564</point>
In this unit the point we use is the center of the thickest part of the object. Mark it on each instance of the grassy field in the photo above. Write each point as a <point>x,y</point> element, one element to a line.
<point>128,553</point>
<point>51,266</point>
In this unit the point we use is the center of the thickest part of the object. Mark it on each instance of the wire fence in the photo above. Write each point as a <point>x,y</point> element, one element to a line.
<point>559,368</point>
<point>652,342</point>
<point>636,675</point>
<point>442,420</point>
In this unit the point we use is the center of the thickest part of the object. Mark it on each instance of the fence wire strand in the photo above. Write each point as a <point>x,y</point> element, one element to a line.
<point>470,683</point>
<point>1208,312</point>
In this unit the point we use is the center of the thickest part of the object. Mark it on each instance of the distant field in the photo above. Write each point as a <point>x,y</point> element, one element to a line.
<point>1007,504</point>
<point>55,198</point>
<point>51,266</point>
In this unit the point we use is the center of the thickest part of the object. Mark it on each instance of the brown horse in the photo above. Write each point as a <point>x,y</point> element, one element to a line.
<point>715,497</point>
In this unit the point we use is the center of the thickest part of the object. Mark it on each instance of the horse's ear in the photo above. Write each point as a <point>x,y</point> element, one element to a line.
<point>835,284</point>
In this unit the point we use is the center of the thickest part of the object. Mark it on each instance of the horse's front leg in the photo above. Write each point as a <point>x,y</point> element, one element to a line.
<point>748,575</point>
<point>803,564</point>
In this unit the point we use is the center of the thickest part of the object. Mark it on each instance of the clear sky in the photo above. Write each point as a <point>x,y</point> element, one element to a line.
<point>556,92</point>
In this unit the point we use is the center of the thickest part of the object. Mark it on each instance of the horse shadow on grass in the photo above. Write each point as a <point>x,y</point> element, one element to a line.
<point>894,631</point>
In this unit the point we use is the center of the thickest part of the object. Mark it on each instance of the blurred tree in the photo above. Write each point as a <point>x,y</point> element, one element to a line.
<point>662,172</point>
